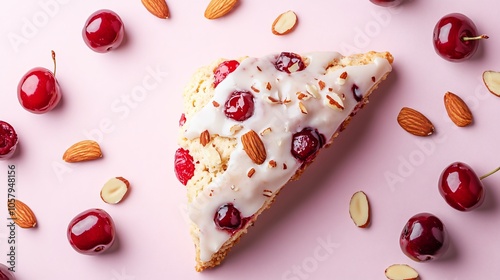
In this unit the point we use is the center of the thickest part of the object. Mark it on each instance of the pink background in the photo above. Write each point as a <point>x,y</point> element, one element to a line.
<point>139,137</point>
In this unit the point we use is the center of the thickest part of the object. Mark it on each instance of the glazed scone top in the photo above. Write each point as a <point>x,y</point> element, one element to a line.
<point>316,97</point>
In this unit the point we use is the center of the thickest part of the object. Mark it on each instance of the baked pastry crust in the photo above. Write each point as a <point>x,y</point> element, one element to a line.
<point>213,155</point>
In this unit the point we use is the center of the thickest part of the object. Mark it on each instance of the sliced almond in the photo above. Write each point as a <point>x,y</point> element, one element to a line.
<point>334,101</point>
<point>21,214</point>
<point>284,23</point>
<point>83,151</point>
<point>219,8</point>
<point>114,190</point>
<point>457,110</point>
<point>254,147</point>
<point>359,209</point>
<point>415,122</point>
<point>401,272</point>
<point>491,80</point>
<point>158,8</point>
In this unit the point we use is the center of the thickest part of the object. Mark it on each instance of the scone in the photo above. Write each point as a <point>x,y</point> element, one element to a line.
<point>253,124</point>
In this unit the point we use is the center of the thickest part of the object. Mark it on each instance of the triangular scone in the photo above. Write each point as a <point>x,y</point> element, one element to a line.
<point>259,128</point>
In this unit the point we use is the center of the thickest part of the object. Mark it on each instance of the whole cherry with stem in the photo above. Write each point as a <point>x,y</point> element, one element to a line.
<point>456,38</point>
<point>38,91</point>
<point>461,188</point>
<point>387,3</point>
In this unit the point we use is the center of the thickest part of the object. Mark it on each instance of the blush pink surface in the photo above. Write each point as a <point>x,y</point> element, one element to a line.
<point>129,100</point>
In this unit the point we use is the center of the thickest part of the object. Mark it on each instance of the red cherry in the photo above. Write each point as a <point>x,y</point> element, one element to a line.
<point>91,232</point>
<point>182,119</point>
<point>456,38</point>
<point>184,165</point>
<point>8,140</point>
<point>5,273</point>
<point>224,69</point>
<point>289,62</point>
<point>103,31</point>
<point>228,217</point>
<point>239,106</point>
<point>424,238</point>
<point>387,3</point>
<point>461,187</point>
<point>38,91</point>
<point>306,143</point>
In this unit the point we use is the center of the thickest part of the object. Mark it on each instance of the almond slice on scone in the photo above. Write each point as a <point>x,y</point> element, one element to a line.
<point>286,107</point>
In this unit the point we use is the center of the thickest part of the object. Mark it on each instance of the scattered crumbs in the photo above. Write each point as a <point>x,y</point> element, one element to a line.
<point>255,89</point>
<point>321,85</point>
<point>272,164</point>
<point>216,105</point>
<point>373,79</point>
<point>285,166</point>
<point>250,173</point>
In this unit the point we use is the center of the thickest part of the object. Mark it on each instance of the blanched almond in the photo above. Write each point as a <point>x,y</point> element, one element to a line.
<point>284,23</point>
<point>114,190</point>
<point>401,272</point>
<point>359,209</point>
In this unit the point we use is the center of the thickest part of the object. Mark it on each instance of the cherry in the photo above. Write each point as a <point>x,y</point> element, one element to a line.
<point>228,217</point>
<point>182,119</point>
<point>224,69</point>
<point>38,91</point>
<point>103,31</point>
<point>239,106</point>
<point>461,188</point>
<point>184,165</point>
<point>91,232</point>
<point>455,37</point>
<point>387,3</point>
<point>289,62</point>
<point>424,238</point>
<point>5,273</point>
<point>306,143</point>
<point>8,140</point>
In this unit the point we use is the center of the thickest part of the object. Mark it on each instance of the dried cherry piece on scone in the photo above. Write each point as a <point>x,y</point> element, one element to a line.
<point>306,143</point>
<point>239,106</point>
<point>224,69</point>
<point>8,140</point>
<point>228,217</point>
<point>183,165</point>
<point>182,119</point>
<point>289,62</point>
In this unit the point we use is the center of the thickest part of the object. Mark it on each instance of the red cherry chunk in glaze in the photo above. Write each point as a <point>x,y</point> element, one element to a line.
<point>461,187</point>
<point>182,119</point>
<point>306,143</point>
<point>183,165</point>
<point>8,140</point>
<point>289,62</point>
<point>239,106</point>
<point>228,217</point>
<point>224,69</point>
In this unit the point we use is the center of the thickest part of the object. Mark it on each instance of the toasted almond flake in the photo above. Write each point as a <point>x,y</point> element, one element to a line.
<point>272,164</point>
<point>302,96</point>
<point>302,108</point>
<point>204,138</point>
<point>255,89</point>
<point>268,86</point>
<point>294,68</point>
<point>321,85</point>
<point>235,128</point>
<point>215,103</point>
<point>313,90</point>
<point>334,101</point>
<point>330,89</point>
<point>287,101</point>
<point>343,75</point>
<point>251,172</point>
<point>266,131</point>
<point>268,193</point>
<point>272,100</point>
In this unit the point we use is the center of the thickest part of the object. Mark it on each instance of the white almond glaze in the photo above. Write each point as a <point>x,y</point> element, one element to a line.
<point>284,119</point>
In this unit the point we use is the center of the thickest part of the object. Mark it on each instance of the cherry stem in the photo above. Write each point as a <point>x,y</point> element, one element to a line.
<point>475,38</point>
<point>490,173</point>
<point>54,59</point>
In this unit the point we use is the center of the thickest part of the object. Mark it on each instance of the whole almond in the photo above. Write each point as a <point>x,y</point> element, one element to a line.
<point>21,214</point>
<point>415,122</point>
<point>284,23</point>
<point>83,151</point>
<point>158,8</point>
<point>457,110</point>
<point>254,147</point>
<point>219,8</point>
